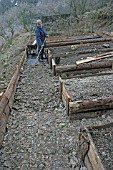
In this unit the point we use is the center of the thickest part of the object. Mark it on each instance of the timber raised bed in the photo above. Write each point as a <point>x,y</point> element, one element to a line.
<point>65,60</point>
<point>97,147</point>
<point>87,96</point>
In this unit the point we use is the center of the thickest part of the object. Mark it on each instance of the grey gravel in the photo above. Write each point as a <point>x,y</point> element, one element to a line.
<point>34,139</point>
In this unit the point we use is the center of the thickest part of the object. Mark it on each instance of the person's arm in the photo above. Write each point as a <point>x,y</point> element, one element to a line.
<point>38,37</point>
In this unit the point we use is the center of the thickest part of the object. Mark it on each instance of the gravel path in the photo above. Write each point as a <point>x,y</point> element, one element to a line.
<point>40,135</point>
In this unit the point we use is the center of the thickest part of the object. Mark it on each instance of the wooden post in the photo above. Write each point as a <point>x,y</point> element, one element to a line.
<point>53,67</point>
<point>60,87</point>
<point>66,98</point>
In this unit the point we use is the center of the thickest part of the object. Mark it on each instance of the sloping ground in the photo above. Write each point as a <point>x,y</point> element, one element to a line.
<point>10,57</point>
<point>40,135</point>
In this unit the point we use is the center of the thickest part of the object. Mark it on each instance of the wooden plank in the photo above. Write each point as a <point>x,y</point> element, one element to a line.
<point>3,124</point>
<point>64,92</point>
<point>98,57</point>
<point>93,155</point>
<point>7,110</point>
<point>66,97</point>
<point>88,163</point>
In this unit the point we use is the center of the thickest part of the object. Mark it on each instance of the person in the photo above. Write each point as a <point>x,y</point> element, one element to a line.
<point>40,38</point>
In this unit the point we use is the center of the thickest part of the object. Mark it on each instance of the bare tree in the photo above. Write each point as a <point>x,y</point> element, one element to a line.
<point>9,23</point>
<point>25,15</point>
<point>82,6</point>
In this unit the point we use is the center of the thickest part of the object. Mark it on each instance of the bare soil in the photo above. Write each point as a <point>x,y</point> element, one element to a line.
<point>10,57</point>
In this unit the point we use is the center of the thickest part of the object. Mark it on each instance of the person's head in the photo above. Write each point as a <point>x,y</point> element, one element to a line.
<point>39,23</point>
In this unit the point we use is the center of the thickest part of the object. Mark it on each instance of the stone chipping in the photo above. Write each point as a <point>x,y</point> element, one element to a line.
<point>40,135</point>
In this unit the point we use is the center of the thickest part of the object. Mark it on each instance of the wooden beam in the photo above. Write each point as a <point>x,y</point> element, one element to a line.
<point>66,54</point>
<point>78,42</point>
<point>86,73</point>
<point>91,105</point>
<point>3,124</point>
<point>98,57</point>
<point>84,66</point>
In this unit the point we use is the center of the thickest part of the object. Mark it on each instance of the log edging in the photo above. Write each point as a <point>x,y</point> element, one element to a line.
<point>7,100</point>
<point>84,108</point>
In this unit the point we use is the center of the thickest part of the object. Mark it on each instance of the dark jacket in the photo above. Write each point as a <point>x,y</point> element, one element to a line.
<point>40,35</point>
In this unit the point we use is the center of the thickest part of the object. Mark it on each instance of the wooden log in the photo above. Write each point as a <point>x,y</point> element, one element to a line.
<point>86,73</point>
<point>98,57</point>
<point>78,42</point>
<point>72,47</point>
<point>66,54</point>
<point>84,66</point>
<point>88,163</point>
<point>91,105</point>
<point>94,51</point>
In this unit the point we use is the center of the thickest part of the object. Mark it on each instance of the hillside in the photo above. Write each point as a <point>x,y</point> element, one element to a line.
<point>39,133</point>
